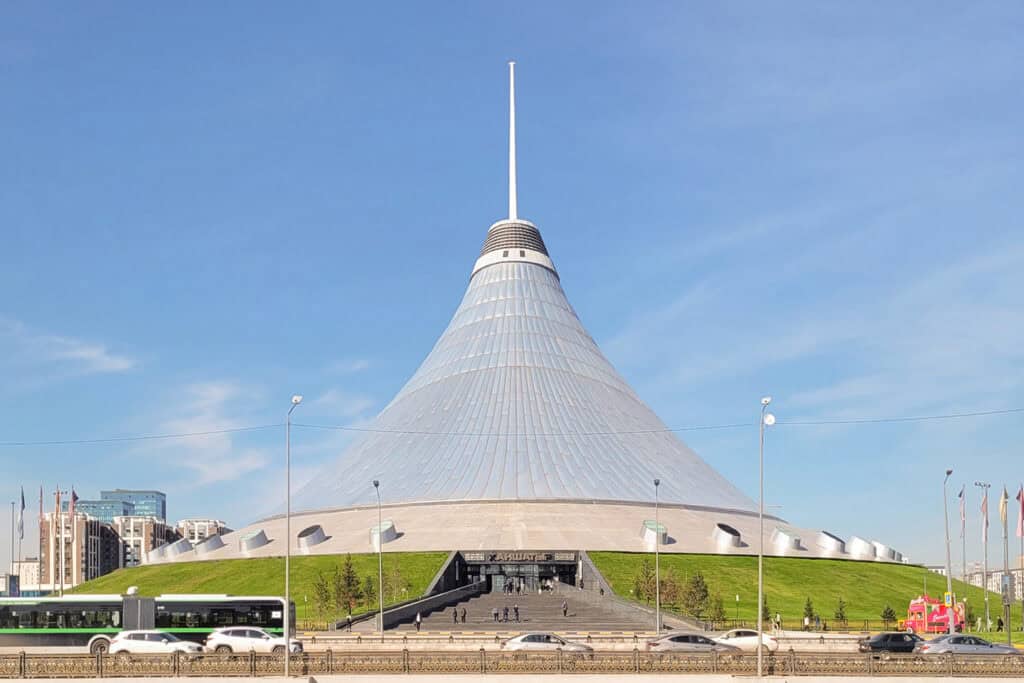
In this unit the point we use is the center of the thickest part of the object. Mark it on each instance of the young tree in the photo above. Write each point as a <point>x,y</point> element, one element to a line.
<point>338,597</point>
<point>695,597</point>
<point>671,590</point>
<point>888,614</point>
<point>766,614</point>
<point>643,582</point>
<point>369,591</point>
<point>840,614</point>
<point>395,584</point>
<point>351,591</point>
<point>809,609</point>
<point>717,613</point>
<point>321,595</point>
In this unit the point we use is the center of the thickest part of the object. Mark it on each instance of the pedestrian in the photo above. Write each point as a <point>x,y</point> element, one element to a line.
<point>807,623</point>
<point>999,624</point>
<point>817,622</point>
<point>455,615</point>
<point>565,608</point>
<point>504,615</point>
<point>601,591</point>
<point>494,613</point>
<point>581,584</point>
<point>515,610</point>
<point>419,622</point>
<point>778,621</point>
<point>463,615</point>
<point>348,623</point>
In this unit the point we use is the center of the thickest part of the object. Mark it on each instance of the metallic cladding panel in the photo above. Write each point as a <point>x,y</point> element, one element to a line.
<point>516,401</point>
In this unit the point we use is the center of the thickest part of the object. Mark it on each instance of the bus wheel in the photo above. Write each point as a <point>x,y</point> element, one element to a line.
<point>99,646</point>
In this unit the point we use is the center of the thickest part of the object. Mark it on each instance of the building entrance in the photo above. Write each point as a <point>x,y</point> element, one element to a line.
<point>521,571</point>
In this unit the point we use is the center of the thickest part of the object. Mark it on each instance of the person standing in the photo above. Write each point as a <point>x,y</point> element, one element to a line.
<point>419,622</point>
<point>515,611</point>
<point>504,615</point>
<point>348,623</point>
<point>463,615</point>
<point>494,613</point>
<point>565,608</point>
<point>455,615</point>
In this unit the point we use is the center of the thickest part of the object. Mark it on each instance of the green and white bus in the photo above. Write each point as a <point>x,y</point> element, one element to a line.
<point>92,620</point>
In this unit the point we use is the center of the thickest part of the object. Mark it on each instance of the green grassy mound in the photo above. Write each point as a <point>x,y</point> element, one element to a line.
<point>865,587</point>
<point>406,575</point>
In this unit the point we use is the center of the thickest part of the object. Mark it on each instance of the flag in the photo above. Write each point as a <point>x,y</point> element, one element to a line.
<point>984,514</point>
<point>40,501</point>
<point>963,510</point>
<point>71,506</point>
<point>1020,515</point>
<point>1003,500</point>
<point>21,516</point>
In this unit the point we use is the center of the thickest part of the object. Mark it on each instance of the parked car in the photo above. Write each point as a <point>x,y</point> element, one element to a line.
<point>900,641</point>
<point>245,639</point>
<point>543,642</point>
<point>964,645</point>
<point>746,640</point>
<point>689,642</point>
<point>150,642</point>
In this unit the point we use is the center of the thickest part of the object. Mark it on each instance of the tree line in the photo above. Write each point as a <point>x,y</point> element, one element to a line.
<point>342,592</point>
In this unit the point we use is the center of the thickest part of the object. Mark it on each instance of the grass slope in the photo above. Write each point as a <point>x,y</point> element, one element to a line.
<point>265,576</point>
<point>865,586</point>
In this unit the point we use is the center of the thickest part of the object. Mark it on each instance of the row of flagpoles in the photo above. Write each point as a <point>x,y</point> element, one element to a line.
<point>58,518</point>
<point>1004,503</point>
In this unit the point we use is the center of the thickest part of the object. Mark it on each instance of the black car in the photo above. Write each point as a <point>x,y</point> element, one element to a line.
<point>891,642</point>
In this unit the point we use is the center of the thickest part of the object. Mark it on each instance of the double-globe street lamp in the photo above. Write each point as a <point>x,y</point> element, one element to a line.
<point>767,420</point>
<point>296,400</point>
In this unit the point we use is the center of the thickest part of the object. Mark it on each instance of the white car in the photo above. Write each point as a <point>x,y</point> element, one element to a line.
<point>150,642</point>
<point>543,642</point>
<point>247,639</point>
<point>746,640</point>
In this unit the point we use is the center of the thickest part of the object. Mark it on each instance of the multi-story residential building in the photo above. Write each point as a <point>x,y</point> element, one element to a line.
<point>146,503</point>
<point>9,587</point>
<point>76,550</point>
<point>27,571</point>
<point>141,533</point>
<point>103,510</point>
<point>198,530</point>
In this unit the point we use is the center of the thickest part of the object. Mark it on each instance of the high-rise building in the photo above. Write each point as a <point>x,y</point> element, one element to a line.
<point>197,530</point>
<point>145,503</point>
<point>103,510</point>
<point>27,571</point>
<point>76,550</point>
<point>141,533</point>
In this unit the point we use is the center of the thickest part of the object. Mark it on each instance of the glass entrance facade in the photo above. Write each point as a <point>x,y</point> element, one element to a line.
<point>519,572</point>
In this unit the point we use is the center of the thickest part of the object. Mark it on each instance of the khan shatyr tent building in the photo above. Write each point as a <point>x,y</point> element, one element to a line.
<point>516,435</point>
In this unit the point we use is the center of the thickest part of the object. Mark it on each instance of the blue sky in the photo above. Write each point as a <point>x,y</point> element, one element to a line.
<point>205,209</point>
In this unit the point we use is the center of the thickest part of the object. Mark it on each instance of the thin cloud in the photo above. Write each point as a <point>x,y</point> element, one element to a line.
<point>39,355</point>
<point>348,366</point>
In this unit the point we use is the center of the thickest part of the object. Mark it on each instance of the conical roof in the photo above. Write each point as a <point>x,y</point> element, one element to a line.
<point>516,402</point>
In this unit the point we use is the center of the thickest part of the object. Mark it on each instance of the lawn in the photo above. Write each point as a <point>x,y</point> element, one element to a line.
<point>866,587</point>
<point>265,576</point>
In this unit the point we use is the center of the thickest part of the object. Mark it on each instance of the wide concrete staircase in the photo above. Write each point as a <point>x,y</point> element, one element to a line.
<point>536,613</point>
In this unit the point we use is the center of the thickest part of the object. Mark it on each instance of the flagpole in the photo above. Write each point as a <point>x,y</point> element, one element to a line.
<point>1004,503</point>
<point>984,549</point>
<point>12,540</point>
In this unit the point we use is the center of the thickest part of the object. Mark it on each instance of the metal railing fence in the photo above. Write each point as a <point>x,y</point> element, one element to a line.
<point>405,661</point>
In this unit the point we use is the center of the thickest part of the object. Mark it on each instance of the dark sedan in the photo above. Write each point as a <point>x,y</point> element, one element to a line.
<point>891,642</point>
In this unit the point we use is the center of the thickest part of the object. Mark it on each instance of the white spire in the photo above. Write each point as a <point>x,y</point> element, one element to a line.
<point>512,142</point>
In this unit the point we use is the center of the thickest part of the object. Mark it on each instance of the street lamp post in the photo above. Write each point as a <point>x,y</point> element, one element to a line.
<point>985,486</point>
<point>950,611</point>
<point>296,400</point>
<point>657,562</point>
<point>767,420</point>
<point>380,560</point>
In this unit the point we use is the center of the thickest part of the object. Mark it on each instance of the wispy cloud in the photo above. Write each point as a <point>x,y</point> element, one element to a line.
<point>207,406</point>
<point>343,404</point>
<point>348,366</point>
<point>36,356</point>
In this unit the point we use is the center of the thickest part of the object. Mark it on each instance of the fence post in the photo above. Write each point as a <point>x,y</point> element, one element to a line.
<point>559,657</point>
<point>949,664</point>
<point>792,662</point>
<point>252,664</point>
<point>176,664</point>
<point>405,660</point>
<point>22,666</point>
<point>871,664</point>
<point>483,661</point>
<point>714,661</point>
<point>99,665</point>
<point>330,661</point>
<point>636,660</point>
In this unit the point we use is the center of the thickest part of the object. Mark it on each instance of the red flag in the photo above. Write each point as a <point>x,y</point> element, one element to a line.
<point>1020,515</point>
<point>984,514</point>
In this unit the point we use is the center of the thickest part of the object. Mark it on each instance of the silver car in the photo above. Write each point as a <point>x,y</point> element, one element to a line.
<point>964,645</point>
<point>543,642</point>
<point>689,642</point>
